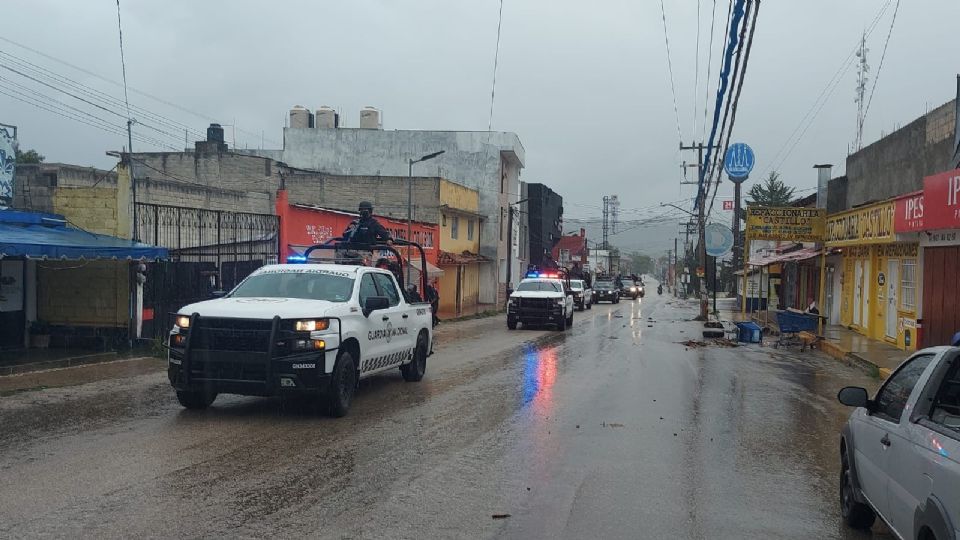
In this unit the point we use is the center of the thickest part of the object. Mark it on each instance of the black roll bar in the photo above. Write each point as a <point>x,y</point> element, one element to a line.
<point>342,244</point>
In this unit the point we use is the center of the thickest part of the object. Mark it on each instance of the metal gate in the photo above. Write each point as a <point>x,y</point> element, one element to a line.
<point>209,250</point>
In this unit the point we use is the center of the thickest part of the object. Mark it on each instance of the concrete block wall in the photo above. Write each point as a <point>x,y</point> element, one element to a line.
<point>235,182</point>
<point>91,209</point>
<point>83,293</point>
<point>35,183</point>
<point>174,193</point>
<point>897,163</point>
<point>387,193</point>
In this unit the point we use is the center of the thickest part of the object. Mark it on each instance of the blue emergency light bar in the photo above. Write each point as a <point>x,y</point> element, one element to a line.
<point>296,259</point>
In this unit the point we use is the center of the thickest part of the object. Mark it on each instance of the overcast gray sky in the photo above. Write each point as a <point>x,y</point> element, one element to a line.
<point>584,84</point>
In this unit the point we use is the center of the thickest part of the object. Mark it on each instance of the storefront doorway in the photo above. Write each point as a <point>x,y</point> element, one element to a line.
<point>892,280</point>
<point>858,294</point>
<point>12,304</point>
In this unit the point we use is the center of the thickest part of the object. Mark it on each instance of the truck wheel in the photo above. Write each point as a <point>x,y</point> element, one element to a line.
<point>569,322</point>
<point>511,324</point>
<point>343,385</point>
<point>413,372</point>
<point>855,514</point>
<point>195,399</point>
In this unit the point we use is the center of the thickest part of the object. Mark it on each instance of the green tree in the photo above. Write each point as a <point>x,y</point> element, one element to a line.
<point>29,156</point>
<point>771,192</point>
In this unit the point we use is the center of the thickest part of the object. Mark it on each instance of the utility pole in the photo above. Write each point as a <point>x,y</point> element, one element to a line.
<point>674,277</point>
<point>703,190</point>
<point>510,244</point>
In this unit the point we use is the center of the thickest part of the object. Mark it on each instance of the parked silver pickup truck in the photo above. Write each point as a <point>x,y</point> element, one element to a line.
<point>900,451</point>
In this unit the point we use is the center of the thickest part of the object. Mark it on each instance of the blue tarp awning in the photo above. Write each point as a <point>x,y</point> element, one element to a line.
<point>39,235</point>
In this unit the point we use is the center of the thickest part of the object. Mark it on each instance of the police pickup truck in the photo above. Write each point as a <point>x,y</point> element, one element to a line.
<point>298,329</point>
<point>541,299</point>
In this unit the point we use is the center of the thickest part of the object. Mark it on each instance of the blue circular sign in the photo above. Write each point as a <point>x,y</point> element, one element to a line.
<point>719,239</point>
<point>738,162</point>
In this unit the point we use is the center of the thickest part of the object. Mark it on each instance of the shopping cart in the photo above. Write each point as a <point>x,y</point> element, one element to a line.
<point>791,323</point>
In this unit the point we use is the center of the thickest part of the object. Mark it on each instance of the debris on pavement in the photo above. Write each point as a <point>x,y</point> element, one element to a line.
<point>719,342</point>
<point>501,516</point>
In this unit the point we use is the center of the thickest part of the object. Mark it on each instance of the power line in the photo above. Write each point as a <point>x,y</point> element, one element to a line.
<point>496,61</point>
<point>883,55</point>
<point>807,119</point>
<point>132,89</point>
<point>706,99</point>
<point>736,97</point>
<point>85,100</point>
<point>696,72</point>
<point>123,65</point>
<point>673,88</point>
<point>735,19</point>
<point>93,93</point>
<point>110,128</point>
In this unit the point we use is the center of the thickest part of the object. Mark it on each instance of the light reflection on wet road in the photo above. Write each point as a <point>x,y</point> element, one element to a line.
<point>612,429</point>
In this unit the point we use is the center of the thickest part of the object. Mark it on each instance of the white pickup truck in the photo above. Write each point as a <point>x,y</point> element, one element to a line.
<point>541,301</point>
<point>288,329</point>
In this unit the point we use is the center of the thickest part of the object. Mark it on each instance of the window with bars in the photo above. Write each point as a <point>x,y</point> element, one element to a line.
<point>908,284</point>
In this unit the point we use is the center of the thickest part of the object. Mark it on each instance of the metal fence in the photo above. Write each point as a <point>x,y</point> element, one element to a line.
<point>209,250</point>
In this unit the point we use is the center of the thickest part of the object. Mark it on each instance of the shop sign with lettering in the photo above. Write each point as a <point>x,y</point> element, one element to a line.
<point>871,224</point>
<point>909,213</point>
<point>941,200</point>
<point>785,223</point>
<point>949,237</point>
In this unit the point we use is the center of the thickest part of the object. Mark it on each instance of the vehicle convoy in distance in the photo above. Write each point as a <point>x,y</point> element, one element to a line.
<point>900,451</point>
<point>298,329</point>
<point>541,299</point>
<point>604,290</point>
<point>582,294</point>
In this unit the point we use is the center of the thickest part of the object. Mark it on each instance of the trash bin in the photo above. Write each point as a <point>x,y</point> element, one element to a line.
<point>749,332</point>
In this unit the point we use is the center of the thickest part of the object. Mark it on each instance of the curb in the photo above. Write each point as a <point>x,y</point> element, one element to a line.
<point>835,351</point>
<point>83,360</point>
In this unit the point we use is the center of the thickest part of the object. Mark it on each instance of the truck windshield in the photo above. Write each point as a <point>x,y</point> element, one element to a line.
<point>576,285</point>
<point>305,285</point>
<point>544,286</point>
<point>603,285</point>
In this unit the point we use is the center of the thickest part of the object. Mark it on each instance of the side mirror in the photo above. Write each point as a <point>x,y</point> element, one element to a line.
<point>374,303</point>
<point>219,294</point>
<point>853,396</point>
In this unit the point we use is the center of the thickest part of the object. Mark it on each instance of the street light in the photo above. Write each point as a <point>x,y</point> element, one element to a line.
<point>510,241</point>
<point>410,210</point>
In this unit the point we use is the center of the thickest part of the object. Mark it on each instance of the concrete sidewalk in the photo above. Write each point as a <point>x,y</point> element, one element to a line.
<point>845,344</point>
<point>836,341</point>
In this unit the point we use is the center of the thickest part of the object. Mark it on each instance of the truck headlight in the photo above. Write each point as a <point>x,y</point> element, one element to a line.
<point>182,321</point>
<point>312,325</point>
<point>561,301</point>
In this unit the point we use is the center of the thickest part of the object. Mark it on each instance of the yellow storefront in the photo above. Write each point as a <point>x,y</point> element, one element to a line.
<point>878,295</point>
<point>460,223</point>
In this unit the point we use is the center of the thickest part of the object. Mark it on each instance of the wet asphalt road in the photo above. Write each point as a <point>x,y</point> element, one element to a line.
<point>610,430</point>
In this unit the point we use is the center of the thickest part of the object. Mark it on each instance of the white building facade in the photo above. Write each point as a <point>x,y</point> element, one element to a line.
<point>489,162</point>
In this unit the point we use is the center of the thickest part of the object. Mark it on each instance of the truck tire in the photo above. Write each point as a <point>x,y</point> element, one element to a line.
<point>569,322</point>
<point>343,385</point>
<point>561,323</point>
<point>511,324</point>
<point>195,399</point>
<point>414,371</point>
<point>856,515</point>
